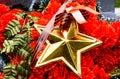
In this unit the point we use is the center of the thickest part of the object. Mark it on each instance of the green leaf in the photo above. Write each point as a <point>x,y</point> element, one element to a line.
<point>12,28</point>
<point>8,46</point>
<point>115,72</point>
<point>21,15</point>
<point>23,69</point>
<point>29,60</point>
<point>10,70</point>
<point>27,33</point>
<point>9,77</point>
<point>25,51</point>
<point>41,5</point>
<point>44,3</point>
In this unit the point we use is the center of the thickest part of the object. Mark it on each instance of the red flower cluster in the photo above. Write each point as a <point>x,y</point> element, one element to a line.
<point>16,60</point>
<point>89,3</point>
<point>48,13</point>
<point>1,75</point>
<point>5,16</point>
<point>96,63</point>
<point>3,9</point>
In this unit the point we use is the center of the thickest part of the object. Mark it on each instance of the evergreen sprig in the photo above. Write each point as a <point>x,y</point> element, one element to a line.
<point>17,39</point>
<point>41,5</point>
<point>12,29</point>
<point>10,70</point>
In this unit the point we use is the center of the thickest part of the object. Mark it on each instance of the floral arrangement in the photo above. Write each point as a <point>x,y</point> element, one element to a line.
<point>18,38</point>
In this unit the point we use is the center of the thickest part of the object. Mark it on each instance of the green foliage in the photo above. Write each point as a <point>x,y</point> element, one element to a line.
<point>10,70</point>
<point>44,3</point>
<point>17,39</point>
<point>115,72</point>
<point>9,77</point>
<point>25,51</point>
<point>21,15</point>
<point>27,33</point>
<point>12,29</point>
<point>23,68</point>
<point>41,5</point>
<point>117,3</point>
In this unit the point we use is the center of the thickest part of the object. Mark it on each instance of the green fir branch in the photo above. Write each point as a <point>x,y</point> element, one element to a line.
<point>17,42</point>
<point>24,69</point>
<point>9,77</point>
<point>10,70</point>
<point>12,28</point>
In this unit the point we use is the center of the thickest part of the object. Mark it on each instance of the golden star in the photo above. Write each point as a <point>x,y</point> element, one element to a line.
<point>67,47</point>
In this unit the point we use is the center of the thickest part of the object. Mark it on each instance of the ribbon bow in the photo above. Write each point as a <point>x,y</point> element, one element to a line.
<point>74,8</point>
<point>72,11</point>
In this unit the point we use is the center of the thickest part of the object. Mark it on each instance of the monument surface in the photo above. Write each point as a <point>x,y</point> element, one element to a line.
<point>108,8</point>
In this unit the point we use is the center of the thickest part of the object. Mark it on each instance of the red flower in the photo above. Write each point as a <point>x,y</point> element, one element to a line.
<point>15,11</point>
<point>33,44</point>
<point>93,53</point>
<point>106,61</point>
<point>3,9</point>
<point>8,17</point>
<point>1,39</point>
<point>2,25</point>
<point>73,4</point>
<point>116,26</point>
<point>36,14</point>
<point>100,73</point>
<point>16,60</point>
<point>35,34</point>
<point>49,12</point>
<point>85,62</point>
<point>21,21</point>
<point>116,53</point>
<point>37,74</point>
<point>1,75</point>
<point>59,77</point>
<point>87,73</point>
<point>72,75</point>
<point>103,31</point>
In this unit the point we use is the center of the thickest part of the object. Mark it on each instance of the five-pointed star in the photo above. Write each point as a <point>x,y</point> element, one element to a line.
<point>67,48</point>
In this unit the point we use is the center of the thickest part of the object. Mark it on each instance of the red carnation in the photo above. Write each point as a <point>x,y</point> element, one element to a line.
<point>72,75</point>
<point>116,53</point>
<point>16,60</point>
<point>85,62</point>
<point>95,29</point>
<point>37,73</point>
<point>15,11</point>
<point>1,75</point>
<point>93,53</point>
<point>8,17</point>
<point>2,25</point>
<point>49,12</point>
<point>36,14</point>
<point>35,34</point>
<point>116,26</point>
<point>106,61</point>
<point>87,73</point>
<point>1,39</point>
<point>100,73</point>
<point>3,9</point>
<point>33,44</point>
